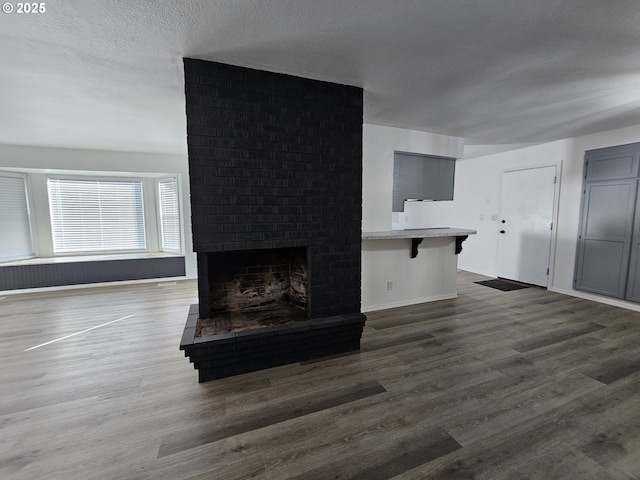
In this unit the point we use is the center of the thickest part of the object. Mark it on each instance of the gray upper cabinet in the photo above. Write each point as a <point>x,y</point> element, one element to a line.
<point>608,253</point>
<point>612,163</point>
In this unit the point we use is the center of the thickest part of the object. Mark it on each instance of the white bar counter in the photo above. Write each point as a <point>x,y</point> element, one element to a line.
<point>418,233</point>
<point>406,267</point>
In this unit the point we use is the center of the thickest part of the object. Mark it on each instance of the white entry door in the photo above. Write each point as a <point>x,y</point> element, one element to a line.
<point>524,238</point>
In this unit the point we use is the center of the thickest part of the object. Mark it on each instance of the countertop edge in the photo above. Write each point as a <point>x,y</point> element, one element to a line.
<point>417,233</point>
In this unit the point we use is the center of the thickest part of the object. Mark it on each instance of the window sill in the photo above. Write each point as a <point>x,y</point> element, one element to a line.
<point>89,258</point>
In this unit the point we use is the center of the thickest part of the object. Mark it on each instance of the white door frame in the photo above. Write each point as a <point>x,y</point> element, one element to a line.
<point>556,201</point>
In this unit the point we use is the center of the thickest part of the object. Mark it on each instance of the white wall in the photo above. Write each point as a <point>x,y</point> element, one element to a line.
<point>477,195</point>
<point>79,161</point>
<point>429,276</point>
<point>379,144</point>
<point>477,198</point>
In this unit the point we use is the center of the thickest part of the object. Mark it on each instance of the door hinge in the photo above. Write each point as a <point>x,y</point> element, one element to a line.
<point>555,179</point>
<point>551,227</point>
<point>547,271</point>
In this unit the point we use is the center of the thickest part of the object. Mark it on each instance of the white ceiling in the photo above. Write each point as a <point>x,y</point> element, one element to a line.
<point>107,74</point>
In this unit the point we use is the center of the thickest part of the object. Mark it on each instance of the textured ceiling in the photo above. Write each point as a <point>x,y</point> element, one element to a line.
<point>107,74</point>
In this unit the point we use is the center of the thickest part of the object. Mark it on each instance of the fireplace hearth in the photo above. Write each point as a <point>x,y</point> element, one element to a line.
<point>277,314</point>
<point>275,166</point>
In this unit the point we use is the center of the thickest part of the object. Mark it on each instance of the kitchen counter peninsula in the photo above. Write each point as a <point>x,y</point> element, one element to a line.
<point>396,273</point>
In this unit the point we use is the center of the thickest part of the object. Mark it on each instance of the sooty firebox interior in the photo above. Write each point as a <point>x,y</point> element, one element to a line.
<point>256,288</point>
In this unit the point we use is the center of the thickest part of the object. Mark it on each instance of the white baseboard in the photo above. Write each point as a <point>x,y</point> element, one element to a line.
<point>405,303</point>
<point>598,298</point>
<point>95,285</point>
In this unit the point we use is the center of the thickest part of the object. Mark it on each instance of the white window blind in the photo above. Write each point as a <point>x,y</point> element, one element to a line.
<point>15,236</point>
<point>169,218</point>
<point>96,215</point>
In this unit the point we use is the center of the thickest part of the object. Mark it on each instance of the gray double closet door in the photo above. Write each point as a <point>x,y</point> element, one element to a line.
<point>608,254</point>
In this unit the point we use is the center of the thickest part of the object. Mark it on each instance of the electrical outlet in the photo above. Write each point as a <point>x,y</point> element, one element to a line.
<point>389,285</point>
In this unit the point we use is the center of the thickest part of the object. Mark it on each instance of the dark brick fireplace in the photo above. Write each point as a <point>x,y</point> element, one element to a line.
<point>275,165</point>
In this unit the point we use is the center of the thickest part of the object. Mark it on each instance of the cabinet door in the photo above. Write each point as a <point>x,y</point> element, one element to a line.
<point>604,243</point>
<point>612,162</point>
<point>633,278</point>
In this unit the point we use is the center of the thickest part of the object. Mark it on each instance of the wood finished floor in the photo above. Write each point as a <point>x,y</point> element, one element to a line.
<point>525,384</point>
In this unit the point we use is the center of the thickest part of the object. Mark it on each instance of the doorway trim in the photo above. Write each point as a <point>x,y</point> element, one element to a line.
<point>554,214</point>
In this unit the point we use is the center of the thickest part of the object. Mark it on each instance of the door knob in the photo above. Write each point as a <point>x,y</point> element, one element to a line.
<point>502,231</point>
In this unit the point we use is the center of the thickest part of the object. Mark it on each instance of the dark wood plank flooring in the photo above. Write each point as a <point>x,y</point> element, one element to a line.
<point>525,384</point>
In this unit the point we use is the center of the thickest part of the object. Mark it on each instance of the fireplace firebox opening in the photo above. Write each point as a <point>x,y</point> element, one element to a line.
<point>255,288</point>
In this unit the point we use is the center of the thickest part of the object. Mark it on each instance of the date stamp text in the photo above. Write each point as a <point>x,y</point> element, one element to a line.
<point>31,7</point>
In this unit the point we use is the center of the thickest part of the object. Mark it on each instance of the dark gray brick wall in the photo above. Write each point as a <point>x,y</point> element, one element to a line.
<point>275,161</point>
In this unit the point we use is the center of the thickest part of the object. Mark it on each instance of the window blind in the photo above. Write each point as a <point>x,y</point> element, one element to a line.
<point>169,218</point>
<point>15,239</point>
<point>96,215</point>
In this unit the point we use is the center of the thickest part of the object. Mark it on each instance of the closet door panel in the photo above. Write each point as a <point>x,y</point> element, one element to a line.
<point>604,244</point>
<point>633,277</point>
